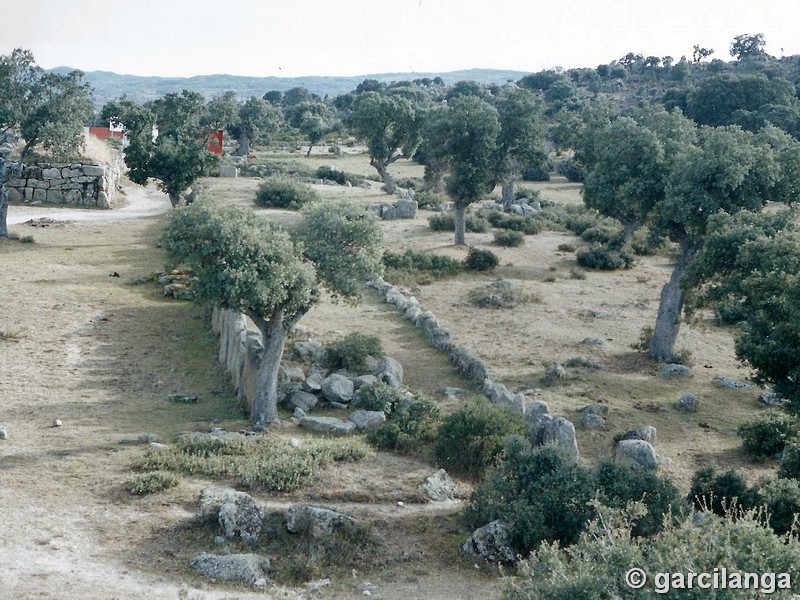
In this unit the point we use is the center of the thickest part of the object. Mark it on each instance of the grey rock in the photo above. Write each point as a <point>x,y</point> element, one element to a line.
<point>210,501</point>
<point>294,374</point>
<point>298,414</point>
<point>228,171</point>
<point>313,383</point>
<point>148,438</point>
<point>647,433</point>
<point>241,568</point>
<point>453,392</point>
<point>440,338</point>
<point>309,352</point>
<point>330,425</point>
<point>553,374</point>
<point>592,341</point>
<point>183,398</point>
<point>688,402</point>
<point>536,408</point>
<point>241,517</point>
<point>315,521</point>
<point>368,419</point>
<point>469,365</point>
<point>592,421</point>
<point>555,430</point>
<point>773,399</point>
<point>637,453</point>
<point>337,388</point>
<point>406,208</point>
<point>93,170</point>
<point>500,394</point>
<point>595,409</point>
<point>390,380</point>
<point>731,384</point>
<point>364,380</point>
<point>439,487</point>
<point>676,371</point>
<point>490,543</point>
<point>101,202</point>
<point>3,432</point>
<point>300,399</point>
<point>389,365</point>
<point>583,363</point>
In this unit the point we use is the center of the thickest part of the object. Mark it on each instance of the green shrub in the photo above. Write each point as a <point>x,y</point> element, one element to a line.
<point>428,199</point>
<point>790,465</point>
<point>501,294</point>
<point>501,220</point>
<point>781,498</point>
<point>151,482</point>
<point>576,273</point>
<point>410,426</point>
<point>767,435</point>
<point>719,493</point>
<point>378,396</point>
<point>646,242</point>
<point>481,260</point>
<point>579,222</point>
<point>470,439</point>
<point>447,222</point>
<point>573,171</point>
<point>508,238</point>
<point>604,233</point>
<point>419,267</point>
<point>284,192</point>
<point>566,248</point>
<point>543,496</point>
<point>340,177</point>
<point>602,258</point>
<point>729,312</point>
<point>351,351</point>
<point>538,173</point>
<point>596,565</point>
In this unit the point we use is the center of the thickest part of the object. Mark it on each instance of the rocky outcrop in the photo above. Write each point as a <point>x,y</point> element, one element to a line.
<point>491,544</point>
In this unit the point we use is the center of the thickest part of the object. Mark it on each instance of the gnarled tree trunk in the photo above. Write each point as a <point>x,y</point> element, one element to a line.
<point>380,167</point>
<point>670,308</point>
<point>3,212</point>
<point>265,402</point>
<point>508,192</point>
<point>244,145</point>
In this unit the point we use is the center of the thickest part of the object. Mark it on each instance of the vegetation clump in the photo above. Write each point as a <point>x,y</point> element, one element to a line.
<point>410,426</point>
<point>418,268</point>
<point>284,192</point>
<point>509,239</point>
<point>151,482</point>
<point>767,435</point>
<point>604,258</point>
<point>351,351</point>
<point>481,260</point>
<point>447,222</point>
<point>501,294</point>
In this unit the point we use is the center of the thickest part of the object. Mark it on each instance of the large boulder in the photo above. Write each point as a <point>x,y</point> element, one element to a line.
<point>534,409</point>
<point>240,568</point>
<point>557,431</point>
<point>310,352</point>
<point>390,366</point>
<point>636,453</point>
<point>329,425</point>
<point>688,403</point>
<point>553,375</point>
<point>490,543</point>
<point>677,371</point>
<point>647,433</point>
<point>438,487</point>
<point>300,399</point>
<point>315,521</point>
<point>337,388</point>
<point>237,513</point>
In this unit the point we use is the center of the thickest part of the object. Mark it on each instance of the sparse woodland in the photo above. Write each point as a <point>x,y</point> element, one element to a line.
<point>620,241</point>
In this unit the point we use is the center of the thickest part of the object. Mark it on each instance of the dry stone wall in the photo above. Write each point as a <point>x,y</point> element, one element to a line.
<point>82,185</point>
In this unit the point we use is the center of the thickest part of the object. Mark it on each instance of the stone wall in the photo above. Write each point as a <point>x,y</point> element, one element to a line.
<point>240,348</point>
<point>83,185</point>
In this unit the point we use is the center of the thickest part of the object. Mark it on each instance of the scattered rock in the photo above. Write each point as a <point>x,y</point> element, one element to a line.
<point>337,388</point>
<point>453,392</point>
<point>595,409</point>
<point>555,430</point>
<point>364,380</point>
<point>553,374</point>
<point>368,419</point>
<point>314,521</point>
<point>57,423</point>
<point>242,568</point>
<point>439,487</point>
<point>148,438</point>
<point>313,383</point>
<point>592,421</point>
<point>676,371</point>
<point>294,374</point>
<point>3,432</point>
<point>298,414</point>
<point>731,384</point>
<point>592,341</point>
<point>490,543</point>
<point>390,366</point>
<point>310,352</point>
<point>773,399</point>
<point>688,402</point>
<point>300,399</point>
<point>536,408</point>
<point>582,362</point>
<point>646,433</point>
<point>330,425</point>
<point>240,516</point>
<point>183,398</point>
<point>637,453</point>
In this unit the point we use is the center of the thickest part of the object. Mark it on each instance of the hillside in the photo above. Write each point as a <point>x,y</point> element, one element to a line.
<point>109,85</point>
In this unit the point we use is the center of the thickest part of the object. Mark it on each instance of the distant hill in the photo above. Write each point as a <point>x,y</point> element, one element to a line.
<point>109,85</point>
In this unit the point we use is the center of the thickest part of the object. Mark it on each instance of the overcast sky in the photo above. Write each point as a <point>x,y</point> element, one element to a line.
<point>358,37</point>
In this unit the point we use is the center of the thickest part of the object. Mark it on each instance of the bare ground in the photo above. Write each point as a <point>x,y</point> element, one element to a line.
<point>102,353</point>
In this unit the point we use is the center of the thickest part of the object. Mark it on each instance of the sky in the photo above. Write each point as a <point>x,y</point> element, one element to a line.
<point>289,38</point>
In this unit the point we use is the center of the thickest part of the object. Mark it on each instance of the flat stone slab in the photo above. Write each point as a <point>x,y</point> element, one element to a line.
<point>330,425</point>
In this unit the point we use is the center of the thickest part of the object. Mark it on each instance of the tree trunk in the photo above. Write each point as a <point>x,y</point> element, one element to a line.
<point>630,228</point>
<point>174,198</point>
<point>434,177</point>
<point>3,213</point>
<point>668,321</point>
<point>460,219</point>
<point>265,403</point>
<point>244,145</point>
<point>309,150</point>
<point>384,173</point>
<point>508,193</point>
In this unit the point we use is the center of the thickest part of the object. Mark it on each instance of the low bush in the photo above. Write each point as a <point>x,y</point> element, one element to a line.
<point>410,426</point>
<point>340,177</point>
<point>603,258</point>
<point>522,224</point>
<point>351,351</point>
<point>411,267</point>
<point>470,439</point>
<point>767,435</point>
<point>606,233</point>
<point>646,242</point>
<point>566,248</point>
<point>254,462</point>
<point>720,493</point>
<point>572,170</point>
<point>781,498</point>
<point>378,396</point>
<point>284,192</point>
<point>790,465</point>
<point>501,294</point>
<point>429,199</point>
<point>543,496</point>
<point>581,221</point>
<point>150,482</point>
<point>447,222</point>
<point>481,260</point>
<point>538,173</point>
<point>509,238</point>
<point>576,273</point>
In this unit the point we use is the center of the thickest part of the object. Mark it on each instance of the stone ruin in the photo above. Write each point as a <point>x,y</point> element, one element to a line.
<point>81,185</point>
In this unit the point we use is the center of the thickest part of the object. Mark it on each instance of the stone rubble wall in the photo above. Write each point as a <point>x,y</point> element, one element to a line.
<point>240,348</point>
<point>81,185</point>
